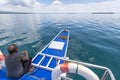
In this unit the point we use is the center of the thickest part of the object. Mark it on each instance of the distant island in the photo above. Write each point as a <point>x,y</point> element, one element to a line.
<point>103,13</point>
<point>8,12</point>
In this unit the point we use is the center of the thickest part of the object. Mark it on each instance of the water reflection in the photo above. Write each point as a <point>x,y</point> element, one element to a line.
<point>20,29</point>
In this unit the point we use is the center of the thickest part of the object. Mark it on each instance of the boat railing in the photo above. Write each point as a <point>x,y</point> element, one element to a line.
<point>107,71</point>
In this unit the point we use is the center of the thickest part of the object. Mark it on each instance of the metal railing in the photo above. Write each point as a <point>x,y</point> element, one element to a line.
<point>107,71</point>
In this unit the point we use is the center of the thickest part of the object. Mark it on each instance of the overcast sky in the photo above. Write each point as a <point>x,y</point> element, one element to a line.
<point>60,6</point>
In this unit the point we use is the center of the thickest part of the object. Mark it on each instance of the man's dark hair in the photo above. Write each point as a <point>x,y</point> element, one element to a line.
<point>12,48</point>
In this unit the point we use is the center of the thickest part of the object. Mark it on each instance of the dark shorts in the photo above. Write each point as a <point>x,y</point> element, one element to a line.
<point>26,65</point>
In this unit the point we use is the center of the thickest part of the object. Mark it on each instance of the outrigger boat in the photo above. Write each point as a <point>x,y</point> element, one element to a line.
<point>51,63</point>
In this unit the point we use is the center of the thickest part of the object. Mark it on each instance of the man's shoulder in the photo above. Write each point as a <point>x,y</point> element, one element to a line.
<point>12,56</point>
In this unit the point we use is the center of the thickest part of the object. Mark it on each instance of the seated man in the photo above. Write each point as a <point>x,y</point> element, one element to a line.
<point>15,63</point>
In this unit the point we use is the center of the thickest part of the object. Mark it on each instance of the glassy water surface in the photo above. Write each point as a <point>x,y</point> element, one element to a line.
<point>94,38</point>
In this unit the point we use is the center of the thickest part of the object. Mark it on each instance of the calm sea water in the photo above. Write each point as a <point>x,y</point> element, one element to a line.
<point>94,38</point>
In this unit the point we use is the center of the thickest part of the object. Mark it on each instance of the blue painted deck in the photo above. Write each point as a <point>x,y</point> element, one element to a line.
<point>57,52</point>
<point>40,73</point>
<point>3,75</point>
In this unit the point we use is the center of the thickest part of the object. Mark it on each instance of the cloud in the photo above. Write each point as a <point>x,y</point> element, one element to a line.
<point>56,2</point>
<point>112,5</point>
<point>22,3</point>
<point>59,7</point>
<point>19,5</point>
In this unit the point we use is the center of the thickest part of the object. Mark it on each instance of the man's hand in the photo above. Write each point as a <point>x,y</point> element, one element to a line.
<point>24,56</point>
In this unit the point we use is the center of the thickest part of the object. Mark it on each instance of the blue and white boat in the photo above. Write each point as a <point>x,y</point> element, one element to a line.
<point>51,63</point>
